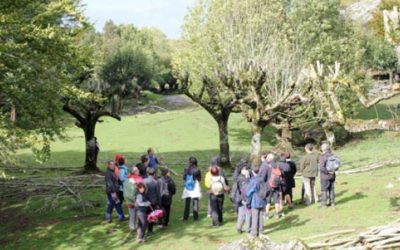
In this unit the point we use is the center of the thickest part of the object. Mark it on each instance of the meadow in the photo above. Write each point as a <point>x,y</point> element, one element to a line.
<point>363,200</point>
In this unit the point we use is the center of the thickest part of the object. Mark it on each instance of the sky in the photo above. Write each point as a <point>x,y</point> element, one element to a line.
<point>167,15</point>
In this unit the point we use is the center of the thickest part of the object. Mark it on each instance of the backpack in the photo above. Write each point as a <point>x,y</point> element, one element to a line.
<point>130,191</point>
<point>235,194</point>
<point>164,189</point>
<point>217,187</point>
<point>332,163</point>
<point>189,182</point>
<point>263,190</point>
<point>275,179</point>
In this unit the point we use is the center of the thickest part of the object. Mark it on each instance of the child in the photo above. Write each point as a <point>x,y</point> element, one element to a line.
<point>142,206</point>
<point>191,192</point>
<point>130,196</point>
<point>167,190</point>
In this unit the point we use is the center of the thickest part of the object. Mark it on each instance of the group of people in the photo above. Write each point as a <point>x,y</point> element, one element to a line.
<point>255,186</point>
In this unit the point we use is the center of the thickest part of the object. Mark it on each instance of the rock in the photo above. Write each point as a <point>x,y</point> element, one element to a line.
<point>362,10</point>
<point>389,186</point>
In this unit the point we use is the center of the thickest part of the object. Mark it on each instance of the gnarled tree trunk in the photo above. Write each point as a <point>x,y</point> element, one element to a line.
<point>224,142</point>
<point>284,137</point>
<point>90,146</point>
<point>256,128</point>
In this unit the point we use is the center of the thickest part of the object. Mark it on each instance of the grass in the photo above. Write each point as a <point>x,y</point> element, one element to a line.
<point>362,199</point>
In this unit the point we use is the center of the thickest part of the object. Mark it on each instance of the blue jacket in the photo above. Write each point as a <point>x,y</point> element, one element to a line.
<point>153,161</point>
<point>252,193</point>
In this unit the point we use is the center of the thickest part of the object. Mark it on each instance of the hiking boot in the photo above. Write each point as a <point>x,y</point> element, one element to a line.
<point>140,240</point>
<point>239,231</point>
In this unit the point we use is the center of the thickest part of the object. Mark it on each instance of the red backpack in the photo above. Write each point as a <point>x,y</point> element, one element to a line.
<point>276,177</point>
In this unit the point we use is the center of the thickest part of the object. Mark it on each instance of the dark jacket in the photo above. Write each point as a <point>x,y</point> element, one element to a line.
<point>252,193</point>
<point>194,171</point>
<point>142,204</point>
<point>325,175</point>
<point>167,189</point>
<point>153,190</point>
<point>242,185</point>
<point>285,170</point>
<point>290,182</point>
<point>309,165</point>
<point>112,185</point>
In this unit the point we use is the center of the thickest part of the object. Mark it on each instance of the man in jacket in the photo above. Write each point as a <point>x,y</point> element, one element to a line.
<point>327,178</point>
<point>309,169</point>
<point>112,188</point>
<point>257,204</point>
<point>167,190</point>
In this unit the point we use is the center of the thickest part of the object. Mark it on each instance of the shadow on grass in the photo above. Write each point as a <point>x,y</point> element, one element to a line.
<point>355,196</point>
<point>289,221</point>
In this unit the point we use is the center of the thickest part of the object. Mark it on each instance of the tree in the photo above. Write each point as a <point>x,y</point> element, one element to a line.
<point>37,54</point>
<point>87,108</point>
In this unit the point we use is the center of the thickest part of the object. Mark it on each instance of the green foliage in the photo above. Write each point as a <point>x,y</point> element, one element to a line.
<point>37,56</point>
<point>127,69</point>
<point>379,54</point>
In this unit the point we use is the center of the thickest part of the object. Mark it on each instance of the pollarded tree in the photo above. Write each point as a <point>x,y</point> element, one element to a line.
<point>242,47</point>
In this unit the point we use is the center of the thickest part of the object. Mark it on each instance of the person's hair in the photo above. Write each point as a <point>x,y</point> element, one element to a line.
<point>121,161</point>
<point>325,147</point>
<point>134,168</point>
<point>142,168</point>
<point>149,150</point>
<point>309,147</point>
<point>255,168</point>
<point>151,171</point>
<point>270,157</point>
<point>265,153</point>
<point>192,161</point>
<point>164,171</point>
<point>144,158</point>
<point>286,155</point>
<point>141,185</point>
<point>109,162</point>
<point>214,171</point>
<point>243,163</point>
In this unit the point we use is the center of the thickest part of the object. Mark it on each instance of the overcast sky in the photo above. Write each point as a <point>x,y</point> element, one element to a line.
<point>167,15</point>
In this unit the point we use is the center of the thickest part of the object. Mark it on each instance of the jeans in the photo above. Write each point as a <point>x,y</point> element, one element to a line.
<point>111,203</point>
<point>195,203</point>
<point>216,202</point>
<point>310,190</point>
<point>132,218</point>
<point>244,215</point>
<point>257,221</point>
<point>328,188</point>
<point>167,210</point>
<point>142,224</point>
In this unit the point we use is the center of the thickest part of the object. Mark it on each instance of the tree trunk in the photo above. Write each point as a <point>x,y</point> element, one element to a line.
<point>284,137</point>
<point>224,143</point>
<point>90,146</point>
<point>257,130</point>
<point>330,136</point>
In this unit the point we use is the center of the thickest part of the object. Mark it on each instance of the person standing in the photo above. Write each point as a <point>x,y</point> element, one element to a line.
<point>309,169</point>
<point>142,205</point>
<point>275,179</point>
<point>152,193</point>
<point>290,181</point>
<point>130,196</point>
<point>122,177</point>
<point>217,189</point>
<point>167,191</point>
<point>112,188</point>
<point>153,159</point>
<point>191,191</point>
<point>257,203</point>
<point>327,177</point>
<point>239,198</point>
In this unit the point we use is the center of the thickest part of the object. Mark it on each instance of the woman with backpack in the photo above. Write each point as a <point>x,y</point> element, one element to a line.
<point>191,191</point>
<point>217,189</point>
<point>328,164</point>
<point>142,205</point>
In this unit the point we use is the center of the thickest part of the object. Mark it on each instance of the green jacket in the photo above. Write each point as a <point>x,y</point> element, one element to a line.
<point>309,165</point>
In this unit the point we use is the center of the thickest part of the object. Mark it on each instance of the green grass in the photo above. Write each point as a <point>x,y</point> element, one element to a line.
<point>362,199</point>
